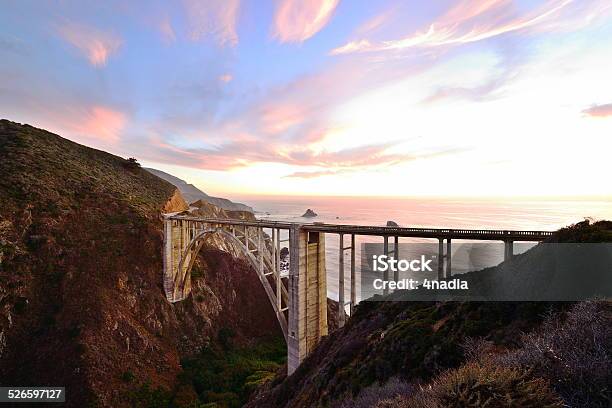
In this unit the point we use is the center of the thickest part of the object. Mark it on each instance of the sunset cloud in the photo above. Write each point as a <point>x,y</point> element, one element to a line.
<point>216,19</point>
<point>311,174</point>
<point>167,31</point>
<point>298,20</point>
<point>226,78</point>
<point>96,45</point>
<point>279,118</point>
<point>467,22</point>
<point>244,152</point>
<point>599,111</point>
<point>101,123</point>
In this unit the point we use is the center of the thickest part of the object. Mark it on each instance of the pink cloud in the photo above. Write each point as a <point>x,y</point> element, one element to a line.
<point>100,123</point>
<point>311,174</point>
<point>245,151</point>
<point>96,45</point>
<point>279,118</point>
<point>599,111</point>
<point>298,20</point>
<point>467,22</point>
<point>376,22</point>
<point>226,78</point>
<point>167,31</point>
<point>213,18</point>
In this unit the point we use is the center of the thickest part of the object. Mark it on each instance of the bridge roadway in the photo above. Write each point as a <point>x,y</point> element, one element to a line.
<point>299,297</point>
<point>437,233</point>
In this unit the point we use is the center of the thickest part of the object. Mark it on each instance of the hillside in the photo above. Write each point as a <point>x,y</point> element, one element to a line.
<point>460,354</point>
<point>191,193</point>
<point>80,279</point>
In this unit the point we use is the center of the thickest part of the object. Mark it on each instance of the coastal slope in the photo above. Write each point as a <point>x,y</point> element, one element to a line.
<point>425,354</point>
<point>193,194</point>
<point>80,278</point>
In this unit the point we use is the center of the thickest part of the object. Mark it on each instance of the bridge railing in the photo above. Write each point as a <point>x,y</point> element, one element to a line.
<point>478,234</point>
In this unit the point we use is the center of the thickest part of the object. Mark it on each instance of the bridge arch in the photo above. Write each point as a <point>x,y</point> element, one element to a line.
<point>189,255</point>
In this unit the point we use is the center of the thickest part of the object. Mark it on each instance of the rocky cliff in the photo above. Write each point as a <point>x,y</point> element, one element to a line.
<point>191,193</point>
<point>80,276</point>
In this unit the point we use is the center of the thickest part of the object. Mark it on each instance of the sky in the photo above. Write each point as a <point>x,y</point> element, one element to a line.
<point>325,97</point>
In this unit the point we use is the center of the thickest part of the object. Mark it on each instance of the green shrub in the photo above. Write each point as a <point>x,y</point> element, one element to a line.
<point>225,336</point>
<point>226,377</point>
<point>20,305</point>
<point>127,376</point>
<point>131,163</point>
<point>147,397</point>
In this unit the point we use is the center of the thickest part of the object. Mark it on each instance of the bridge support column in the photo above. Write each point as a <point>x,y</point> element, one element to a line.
<point>440,258</point>
<point>353,281</point>
<point>307,294</point>
<point>396,256</point>
<point>449,271</point>
<point>386,271</point>
<point>176,237</point>
<point>508,249</point>
<point>341,281</point>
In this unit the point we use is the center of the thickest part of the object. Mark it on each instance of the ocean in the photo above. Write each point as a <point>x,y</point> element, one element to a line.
<point>521,214</point>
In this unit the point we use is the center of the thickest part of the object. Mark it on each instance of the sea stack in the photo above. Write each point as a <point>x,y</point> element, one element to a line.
<point>392,224</point>
<point>309,213</point>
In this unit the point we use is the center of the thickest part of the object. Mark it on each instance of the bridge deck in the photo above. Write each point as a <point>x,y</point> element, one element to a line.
<point>445,233</point>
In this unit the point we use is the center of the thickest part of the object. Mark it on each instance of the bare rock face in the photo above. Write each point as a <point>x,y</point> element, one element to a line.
<point>333,314</point>
<point>309,213</point>
<point>176,203</point>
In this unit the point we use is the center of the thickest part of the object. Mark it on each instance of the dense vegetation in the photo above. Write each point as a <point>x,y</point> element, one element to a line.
<point>220,376</point>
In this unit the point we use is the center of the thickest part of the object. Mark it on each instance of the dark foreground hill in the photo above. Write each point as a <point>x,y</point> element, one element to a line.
<point>403,354</point>
<point>81,303</point>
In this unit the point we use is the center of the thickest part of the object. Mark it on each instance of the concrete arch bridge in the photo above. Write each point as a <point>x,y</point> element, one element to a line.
<point>298,293</point>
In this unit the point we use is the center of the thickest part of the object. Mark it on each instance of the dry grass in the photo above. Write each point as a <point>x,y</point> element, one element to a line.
<point>574,354</point>
<point>480,385</point>
<point>373,394</point>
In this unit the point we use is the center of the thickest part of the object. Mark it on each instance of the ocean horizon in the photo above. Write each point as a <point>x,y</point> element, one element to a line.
<point>487,213</point>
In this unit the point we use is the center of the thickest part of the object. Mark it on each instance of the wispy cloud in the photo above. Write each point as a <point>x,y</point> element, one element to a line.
<point>95,44</point>
<point>491,88</point>
<point>166,30</point>
<point>226,78</point>
<point>368,158</point>
<point>213,18</point>
<point>277,118</point>
<point>13,44</point>
<point>469,21</point>
<point>599,111</point>
<point>298,20</point>
<point>311,174</point>
<point>244,152</point>
<point>102,123</point>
